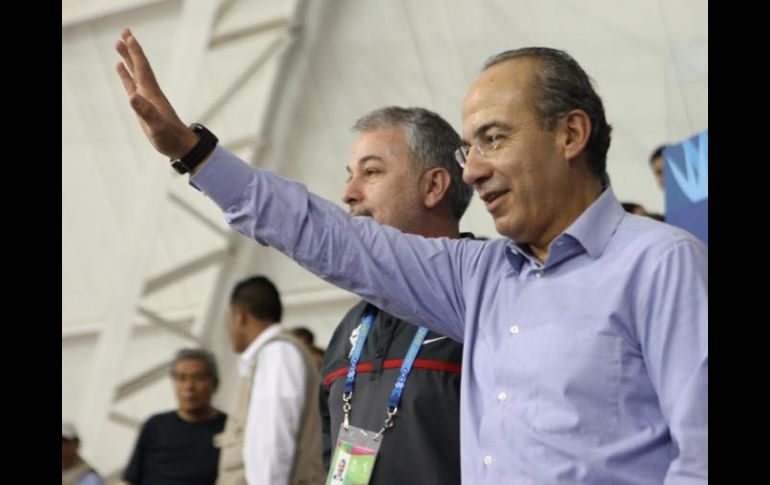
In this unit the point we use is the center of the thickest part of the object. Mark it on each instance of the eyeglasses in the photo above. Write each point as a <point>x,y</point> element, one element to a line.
<point>486,142</point>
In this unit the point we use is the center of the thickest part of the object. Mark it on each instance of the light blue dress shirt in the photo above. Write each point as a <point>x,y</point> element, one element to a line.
<point>591,368</point>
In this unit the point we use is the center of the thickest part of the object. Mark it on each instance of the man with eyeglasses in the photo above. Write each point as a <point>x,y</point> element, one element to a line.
<point>178,446</point>
<point>585,329</point>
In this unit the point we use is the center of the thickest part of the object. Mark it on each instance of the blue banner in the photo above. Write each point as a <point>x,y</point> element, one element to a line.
<point>686,180</point>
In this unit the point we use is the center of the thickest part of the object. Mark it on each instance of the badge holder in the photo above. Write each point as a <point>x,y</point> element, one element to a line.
<point>356,449</point>
<point>354,456</point>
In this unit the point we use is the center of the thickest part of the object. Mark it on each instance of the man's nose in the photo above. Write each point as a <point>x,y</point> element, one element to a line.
<point>476,168</point>
<point>351,194</point>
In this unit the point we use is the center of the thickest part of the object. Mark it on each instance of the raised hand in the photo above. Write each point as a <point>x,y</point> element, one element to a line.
<point>167,133</point>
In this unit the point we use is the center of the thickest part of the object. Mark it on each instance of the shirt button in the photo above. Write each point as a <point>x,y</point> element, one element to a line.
<point>379,353</point>
<point>488,460</point>
<point>514,329</point>
<point>502,396</point>
<point>539,274</point>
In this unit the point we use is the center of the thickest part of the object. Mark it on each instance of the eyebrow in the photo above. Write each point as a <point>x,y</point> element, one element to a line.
<point>486,126</point>
<point>365,159</point>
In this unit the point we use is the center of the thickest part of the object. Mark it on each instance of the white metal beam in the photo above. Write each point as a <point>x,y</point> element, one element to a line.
<point>215,226</point>
<point>185,270</point>
<point>190,43</point>
<point>176,328</point>
<point>240,80</point>
<point>222,38</point>
<point>196,33</point>
<point>142,380</point>
<point>74,17</point>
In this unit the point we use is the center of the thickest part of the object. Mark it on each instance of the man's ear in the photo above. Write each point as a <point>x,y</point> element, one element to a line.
<point>239,316</point>
<point>434,185</point>
<point>577,130</point>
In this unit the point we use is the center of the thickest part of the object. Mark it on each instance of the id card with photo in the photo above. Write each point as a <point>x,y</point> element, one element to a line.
<point>354,456</point>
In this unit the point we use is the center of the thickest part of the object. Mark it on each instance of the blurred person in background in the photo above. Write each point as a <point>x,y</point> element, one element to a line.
<point>178,446</point>
<point>74,469</point>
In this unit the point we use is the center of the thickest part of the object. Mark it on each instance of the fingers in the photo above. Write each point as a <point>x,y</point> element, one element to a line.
<point>140,66</point>
<point>122,49</point>
<point>160,123</point>
<point>135,60</point>
<point>126,79</point>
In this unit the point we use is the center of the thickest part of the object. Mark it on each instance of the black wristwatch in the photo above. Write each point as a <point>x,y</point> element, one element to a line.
<point>207,141</point>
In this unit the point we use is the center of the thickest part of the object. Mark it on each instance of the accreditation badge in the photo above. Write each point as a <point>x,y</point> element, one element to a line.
<point>354,456</point>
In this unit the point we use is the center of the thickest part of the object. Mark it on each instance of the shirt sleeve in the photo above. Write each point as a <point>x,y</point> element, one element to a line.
<point>674,340</point>
<point>275,414</point>
<point>355,253</point>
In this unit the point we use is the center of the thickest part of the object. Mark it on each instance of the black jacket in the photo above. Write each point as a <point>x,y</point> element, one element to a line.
<point>423,446</point>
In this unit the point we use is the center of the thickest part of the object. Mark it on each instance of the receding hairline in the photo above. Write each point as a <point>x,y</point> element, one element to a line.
<point>528,88</point>
<point>398,130</point>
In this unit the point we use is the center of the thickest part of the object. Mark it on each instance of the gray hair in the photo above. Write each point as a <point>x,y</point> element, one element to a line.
<point>200,354</point>
<point>431,142</point>
<point>561,85</point>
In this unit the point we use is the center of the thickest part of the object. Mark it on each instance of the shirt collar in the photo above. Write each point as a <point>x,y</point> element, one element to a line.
<point>592,230</point>
<point>249,355</point>
<point>596,225</point>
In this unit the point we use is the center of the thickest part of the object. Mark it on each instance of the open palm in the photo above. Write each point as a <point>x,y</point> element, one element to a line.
<point>159,121</point>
